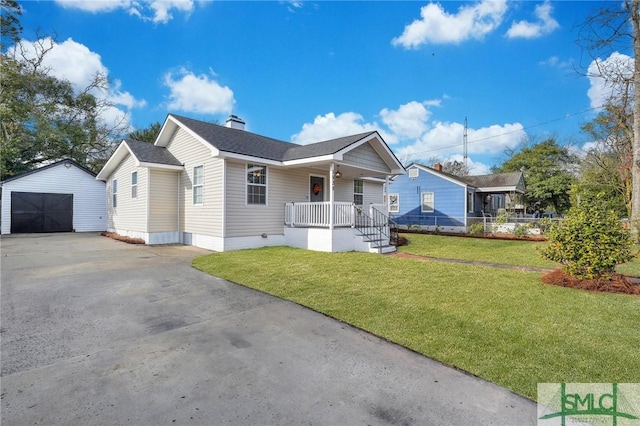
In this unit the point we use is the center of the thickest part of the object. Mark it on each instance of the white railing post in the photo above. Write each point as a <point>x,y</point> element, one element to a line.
<point>294,214</point>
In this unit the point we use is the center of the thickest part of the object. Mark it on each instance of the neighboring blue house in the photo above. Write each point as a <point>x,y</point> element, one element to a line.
<point>428,197</point>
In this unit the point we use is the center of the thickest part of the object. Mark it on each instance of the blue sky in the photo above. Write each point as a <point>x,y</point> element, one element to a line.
<point>304,71</point>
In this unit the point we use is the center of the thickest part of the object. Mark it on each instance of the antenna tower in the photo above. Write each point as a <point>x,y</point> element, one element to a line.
<point>464,144</point>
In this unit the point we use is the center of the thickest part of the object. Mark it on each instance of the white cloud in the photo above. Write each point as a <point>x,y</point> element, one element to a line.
<point>162,9</point>
<point>156,11</point>
<point>126,99</point>
<point>408,121</point>
<point>606,78</point>
<point>543,26</point>
<point>330,126</point>
<point>95,6</point>
<point>475,167</point>
<point>439,27</point>
<point>198,93</point>
<point>446,138</point>
<point>416,136</point>
<point>77,64</point>
<point>68,60</point>
<point>556,62</point>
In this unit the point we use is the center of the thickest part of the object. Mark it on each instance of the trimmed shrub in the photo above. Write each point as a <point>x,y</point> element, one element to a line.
<point>589,242</point>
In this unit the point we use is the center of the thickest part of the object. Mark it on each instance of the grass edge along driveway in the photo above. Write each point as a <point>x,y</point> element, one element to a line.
<point>499,324</point>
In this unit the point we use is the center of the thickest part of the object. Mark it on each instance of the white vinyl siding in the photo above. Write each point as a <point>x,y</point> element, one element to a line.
<point>163,200</point>
<point>427,203</point>
<point>366,157</point>
<point>206,219</point>
<point>89,195</point>
<point>291,185</point>
<point>130,213</point>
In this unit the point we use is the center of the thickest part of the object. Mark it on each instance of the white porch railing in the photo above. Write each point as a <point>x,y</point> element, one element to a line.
<point>307,215</point>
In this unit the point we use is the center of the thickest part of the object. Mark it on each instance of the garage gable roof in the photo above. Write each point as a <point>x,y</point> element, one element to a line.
<point>48,166</point>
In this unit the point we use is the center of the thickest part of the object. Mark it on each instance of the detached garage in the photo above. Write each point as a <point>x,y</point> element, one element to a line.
<point>60,197</point>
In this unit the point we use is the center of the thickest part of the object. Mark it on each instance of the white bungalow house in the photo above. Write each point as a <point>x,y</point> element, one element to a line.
<point>224,188</point>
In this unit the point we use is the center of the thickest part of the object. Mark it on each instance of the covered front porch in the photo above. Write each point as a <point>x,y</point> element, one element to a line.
<point>338,227</point>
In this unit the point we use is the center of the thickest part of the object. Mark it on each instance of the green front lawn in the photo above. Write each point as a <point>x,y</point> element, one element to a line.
<point>508,252</point>
<point>502,325</point>
<point>519,253</point>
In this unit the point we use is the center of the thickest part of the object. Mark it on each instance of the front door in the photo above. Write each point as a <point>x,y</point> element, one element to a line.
<point>316,189</point>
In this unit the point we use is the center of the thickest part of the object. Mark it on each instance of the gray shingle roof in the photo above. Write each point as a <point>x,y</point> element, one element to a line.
<point>494,180</point>
<point>149,153</point>
<point>48,166</point>
<point>242,142</point>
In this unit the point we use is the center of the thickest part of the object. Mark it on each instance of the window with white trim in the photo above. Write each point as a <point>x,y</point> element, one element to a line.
<point>394,203</point>
<point>470,203</point>
<point>198,183</point>
<point>256,184</point>
<point>427,202</point>
<point>358,192</point>
<point>134,185</point>
<point>114,193</point>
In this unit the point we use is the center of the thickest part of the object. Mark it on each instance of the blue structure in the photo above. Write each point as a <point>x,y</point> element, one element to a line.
<point>427,197</point>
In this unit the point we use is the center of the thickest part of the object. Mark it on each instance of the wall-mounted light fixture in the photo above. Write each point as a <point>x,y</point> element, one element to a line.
<point>338,175</point>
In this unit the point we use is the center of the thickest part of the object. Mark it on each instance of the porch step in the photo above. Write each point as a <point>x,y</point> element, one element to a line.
<point>384,249</point>
<point>377,245</point>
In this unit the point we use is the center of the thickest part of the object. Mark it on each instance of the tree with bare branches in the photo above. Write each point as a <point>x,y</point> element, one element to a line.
<point>43,118</point>
<point>614,28</point>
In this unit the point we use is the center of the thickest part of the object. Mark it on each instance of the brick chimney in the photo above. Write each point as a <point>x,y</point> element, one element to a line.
<point>438,167</point>
<point>234,122</point>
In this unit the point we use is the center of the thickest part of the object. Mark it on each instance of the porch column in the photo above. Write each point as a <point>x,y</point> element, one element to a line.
<point>332,179</point>
<point>386,187</point>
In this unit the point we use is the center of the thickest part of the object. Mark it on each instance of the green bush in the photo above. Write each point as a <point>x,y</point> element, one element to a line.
<point>521,230</point>
<point>589,242</point>
<point>476,229</point>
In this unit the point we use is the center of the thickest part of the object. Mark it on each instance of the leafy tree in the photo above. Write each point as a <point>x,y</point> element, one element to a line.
<point>549,172</point>
<point>612,28</point>
<point>590,241</point>
<point>607,166</point>
<point>10,27</point>
<point>43,119</point>
<point>146,135</point>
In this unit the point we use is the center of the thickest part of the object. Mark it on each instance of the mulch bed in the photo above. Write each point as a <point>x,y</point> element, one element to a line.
<point>123,238</point>
<point>615,284</point>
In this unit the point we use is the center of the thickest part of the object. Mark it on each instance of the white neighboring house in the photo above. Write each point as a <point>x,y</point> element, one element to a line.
<point>60,197</point>
<point>223,188</point>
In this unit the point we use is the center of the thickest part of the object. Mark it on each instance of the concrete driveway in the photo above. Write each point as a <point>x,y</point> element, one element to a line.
<point>95,331</point>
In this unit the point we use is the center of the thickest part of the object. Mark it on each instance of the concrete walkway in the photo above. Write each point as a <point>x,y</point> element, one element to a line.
<point>95,331</point>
